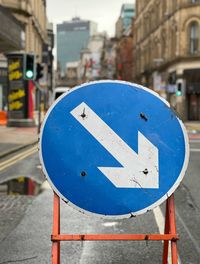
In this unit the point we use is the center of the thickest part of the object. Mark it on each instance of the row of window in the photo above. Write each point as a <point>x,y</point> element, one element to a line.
<point>140,4</point>
<point>193,34</point>
<point>154,16</point>
<point>154,50</point>
<point>194,37</point>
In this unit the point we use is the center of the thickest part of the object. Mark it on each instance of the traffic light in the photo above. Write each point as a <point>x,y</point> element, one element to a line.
<point>29,67</point>
<point>39,71</point>
<point>179,89</point>
<point>172,78</point>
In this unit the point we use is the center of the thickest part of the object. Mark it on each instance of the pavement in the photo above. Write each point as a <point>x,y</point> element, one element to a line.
<point>13,139</point>
<point>193,129</point>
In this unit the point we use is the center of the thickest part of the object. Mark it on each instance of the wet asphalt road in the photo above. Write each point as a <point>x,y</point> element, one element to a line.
<point>29,241</point>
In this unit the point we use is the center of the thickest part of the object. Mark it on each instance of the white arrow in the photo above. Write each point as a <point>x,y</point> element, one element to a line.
<point>139,170</point>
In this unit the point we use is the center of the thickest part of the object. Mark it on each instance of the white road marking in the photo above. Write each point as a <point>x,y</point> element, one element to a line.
<point>88,249</point>
<point>45,186</point>
<point>88,246</point>
<point>139,170</point>
<point>160,220</point>
<point>195,243</point>
<point>194,140</point>
<point>9,162</point>
<point>109,224</point>
<point>194,150</point>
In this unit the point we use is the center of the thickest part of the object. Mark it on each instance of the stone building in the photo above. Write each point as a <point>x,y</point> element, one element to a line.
<point>32,15</point>
<point>167,51</point>
<point>11,38</point>
<point>11,32</point>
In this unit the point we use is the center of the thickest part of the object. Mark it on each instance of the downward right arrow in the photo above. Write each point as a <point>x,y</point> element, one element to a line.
<point>139,170</point>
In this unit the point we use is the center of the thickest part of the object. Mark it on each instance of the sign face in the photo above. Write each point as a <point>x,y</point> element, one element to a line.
<point>113,148</point>
<point>17,92</point>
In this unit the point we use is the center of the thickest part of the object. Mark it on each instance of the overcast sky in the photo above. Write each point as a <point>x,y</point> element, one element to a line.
<point>104,12</point>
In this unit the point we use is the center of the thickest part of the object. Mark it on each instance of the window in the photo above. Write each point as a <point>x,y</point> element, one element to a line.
<point>173,42</point>
<point>164,8</point>
<point>193,38</point>
<point>174,5</point>
<point>163,44</point>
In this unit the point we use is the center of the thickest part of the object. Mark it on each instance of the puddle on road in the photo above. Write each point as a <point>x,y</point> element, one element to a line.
<point>20,186</point>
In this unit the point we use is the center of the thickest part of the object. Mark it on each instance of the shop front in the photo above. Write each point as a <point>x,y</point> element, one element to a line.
<point>11,39</point>
<point>192,78</point>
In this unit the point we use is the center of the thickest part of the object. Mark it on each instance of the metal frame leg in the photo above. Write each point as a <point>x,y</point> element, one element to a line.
<point>173,229</point>
<point>166,242</point>
<point>170,228</point>
<point>169,234</point>
<point>56,229</point>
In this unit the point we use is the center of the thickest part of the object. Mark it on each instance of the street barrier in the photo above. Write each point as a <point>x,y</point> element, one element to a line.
<point>118,148</point>
<point>3,118</point>
<point>170,234</point>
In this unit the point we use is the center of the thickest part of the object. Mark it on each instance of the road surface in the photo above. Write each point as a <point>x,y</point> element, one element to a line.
<point>28,233</point>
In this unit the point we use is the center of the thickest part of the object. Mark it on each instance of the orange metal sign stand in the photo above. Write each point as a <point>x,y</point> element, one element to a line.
<point>169,234</point>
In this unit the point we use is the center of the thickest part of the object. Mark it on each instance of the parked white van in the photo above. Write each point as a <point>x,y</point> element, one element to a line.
<point>58,91</point>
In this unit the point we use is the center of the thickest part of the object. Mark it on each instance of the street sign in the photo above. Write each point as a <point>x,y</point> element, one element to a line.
<point>17,89</point>
<point>113,148</point>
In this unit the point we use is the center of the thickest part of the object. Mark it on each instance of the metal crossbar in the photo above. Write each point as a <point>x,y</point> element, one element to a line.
<point>169,234</point>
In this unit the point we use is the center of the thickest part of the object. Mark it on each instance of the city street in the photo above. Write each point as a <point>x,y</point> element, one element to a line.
<point>100,108</point>
<point>26,236</point>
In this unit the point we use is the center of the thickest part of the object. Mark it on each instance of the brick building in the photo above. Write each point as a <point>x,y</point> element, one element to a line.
<point>124,56</point>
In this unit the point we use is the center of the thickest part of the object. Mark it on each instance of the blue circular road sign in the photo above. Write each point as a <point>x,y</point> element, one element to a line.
<point>113,148</point>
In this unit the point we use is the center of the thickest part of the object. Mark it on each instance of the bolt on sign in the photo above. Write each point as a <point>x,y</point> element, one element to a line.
<point>113,148</point>
<point>17,87</point>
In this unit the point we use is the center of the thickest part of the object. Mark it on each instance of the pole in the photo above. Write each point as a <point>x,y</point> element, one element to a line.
<point>39,111</point>
<point>40,91</point>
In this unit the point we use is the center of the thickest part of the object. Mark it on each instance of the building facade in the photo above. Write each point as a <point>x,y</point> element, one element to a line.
<point>72,37</point>
<point>108,59</point>
<point>32,15</point>
<point>11,38</point>
<point>125,19</point>
<point>11,31</point>
<point>124,47</point>
<point>124,56</point>
<point>50,56</point>
<point>167,52</point>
